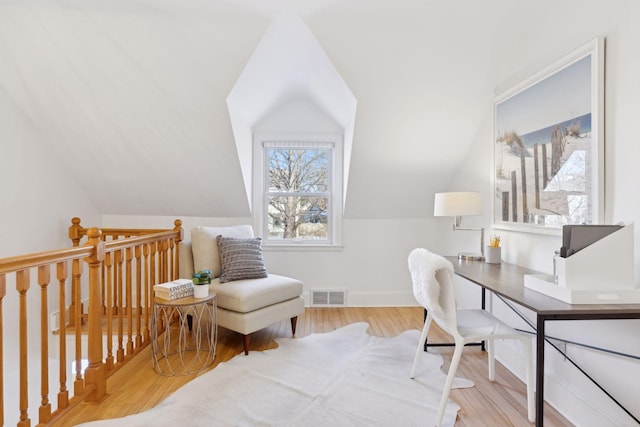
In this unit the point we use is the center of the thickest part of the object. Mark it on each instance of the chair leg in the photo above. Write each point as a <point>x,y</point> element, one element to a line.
<point>455,361</point>
<point>420,349</point>
<point>247,341</point>
<point>294,323</point>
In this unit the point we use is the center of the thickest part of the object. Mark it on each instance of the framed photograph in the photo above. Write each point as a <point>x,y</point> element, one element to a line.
<point>548,145</point>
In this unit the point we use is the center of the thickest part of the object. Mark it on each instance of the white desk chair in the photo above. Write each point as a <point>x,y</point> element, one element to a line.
<point>431,275</point>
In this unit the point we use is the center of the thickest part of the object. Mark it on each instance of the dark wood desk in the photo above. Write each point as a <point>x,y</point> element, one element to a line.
<point>507,280</point>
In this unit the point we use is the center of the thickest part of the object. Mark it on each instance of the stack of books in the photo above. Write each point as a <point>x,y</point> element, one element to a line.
<point>179,288</point>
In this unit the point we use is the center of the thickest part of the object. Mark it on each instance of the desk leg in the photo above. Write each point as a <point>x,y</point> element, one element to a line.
<point>540,371</point>
<point>483,304</point>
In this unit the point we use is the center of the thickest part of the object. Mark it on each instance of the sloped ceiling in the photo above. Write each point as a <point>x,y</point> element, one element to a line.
<point>131,93</point>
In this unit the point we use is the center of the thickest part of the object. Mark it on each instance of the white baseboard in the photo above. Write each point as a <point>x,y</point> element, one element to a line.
<point>575,407</point>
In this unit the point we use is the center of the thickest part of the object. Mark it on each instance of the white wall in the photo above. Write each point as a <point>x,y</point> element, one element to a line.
<point>571,25</point>
<point>300,115</point>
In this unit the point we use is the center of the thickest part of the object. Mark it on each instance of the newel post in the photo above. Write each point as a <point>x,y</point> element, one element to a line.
<point>75,231</point>
<point>95,372</point>
<point>178,227</point>
<point>176,267</point>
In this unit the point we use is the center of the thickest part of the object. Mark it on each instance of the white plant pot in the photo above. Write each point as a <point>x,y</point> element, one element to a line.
<point>493,255</point>
<point>200,291</point>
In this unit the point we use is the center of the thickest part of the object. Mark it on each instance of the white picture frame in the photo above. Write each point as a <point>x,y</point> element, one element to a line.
<point>548,146</point>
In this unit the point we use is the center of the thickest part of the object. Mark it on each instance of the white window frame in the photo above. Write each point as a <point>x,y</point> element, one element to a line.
<point>261,141</point>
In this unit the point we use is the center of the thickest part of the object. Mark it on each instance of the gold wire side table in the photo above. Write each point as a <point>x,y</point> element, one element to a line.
<point>184,334</point>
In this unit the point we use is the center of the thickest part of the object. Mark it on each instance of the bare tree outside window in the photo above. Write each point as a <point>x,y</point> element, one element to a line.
<point>298,192</point>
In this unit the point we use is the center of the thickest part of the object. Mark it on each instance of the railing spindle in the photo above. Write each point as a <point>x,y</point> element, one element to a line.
<point>76,231</point>
<point>121,306</point>
<point>44,278</point>
<point>22,286</point>
<point>129,288</point>
<point>138,251</point>
<point>166,264</point>
<point>153,268</point>
<point>103,284</point>
<point>147,285</point>
<point>108,270</point>
<point>172,247</point>
<point>76,274</point>
<point>3,293</point>
<point>63,394</point>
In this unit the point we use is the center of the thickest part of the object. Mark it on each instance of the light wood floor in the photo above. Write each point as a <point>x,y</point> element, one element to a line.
<point>136,387</point>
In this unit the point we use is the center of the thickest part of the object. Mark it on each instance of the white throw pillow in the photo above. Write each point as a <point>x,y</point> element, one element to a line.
<point>204,246</point>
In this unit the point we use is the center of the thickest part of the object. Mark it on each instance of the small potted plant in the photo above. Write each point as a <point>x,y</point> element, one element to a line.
<point>201,281</point>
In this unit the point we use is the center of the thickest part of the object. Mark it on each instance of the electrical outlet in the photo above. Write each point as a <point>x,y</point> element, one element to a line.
<point>55,321</point>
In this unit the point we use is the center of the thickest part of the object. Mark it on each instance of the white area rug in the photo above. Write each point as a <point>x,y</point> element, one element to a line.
<point>341,378</point>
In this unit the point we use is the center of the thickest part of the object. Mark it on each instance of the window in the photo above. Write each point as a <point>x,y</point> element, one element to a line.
<point>298,198</point>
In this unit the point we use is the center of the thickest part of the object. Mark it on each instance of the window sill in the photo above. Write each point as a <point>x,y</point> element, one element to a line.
<point>291,247</point>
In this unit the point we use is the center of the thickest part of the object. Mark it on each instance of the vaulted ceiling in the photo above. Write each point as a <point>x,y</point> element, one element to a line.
<point>130,95</point>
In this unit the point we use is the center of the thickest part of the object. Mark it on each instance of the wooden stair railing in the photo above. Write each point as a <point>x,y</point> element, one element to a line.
<point>123,267</point>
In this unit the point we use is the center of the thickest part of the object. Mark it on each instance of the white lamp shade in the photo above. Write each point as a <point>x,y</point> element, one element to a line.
<point>457,204</point>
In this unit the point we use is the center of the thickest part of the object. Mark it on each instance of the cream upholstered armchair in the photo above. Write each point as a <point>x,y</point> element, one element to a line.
<point>249,298</point>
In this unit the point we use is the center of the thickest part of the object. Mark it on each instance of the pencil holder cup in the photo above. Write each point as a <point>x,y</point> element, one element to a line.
<point>493,255</point>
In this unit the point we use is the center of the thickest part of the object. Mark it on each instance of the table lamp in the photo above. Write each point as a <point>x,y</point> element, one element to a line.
<point>458,204</point>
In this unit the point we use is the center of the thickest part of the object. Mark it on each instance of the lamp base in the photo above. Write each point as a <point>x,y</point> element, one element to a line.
<point>467,256</point>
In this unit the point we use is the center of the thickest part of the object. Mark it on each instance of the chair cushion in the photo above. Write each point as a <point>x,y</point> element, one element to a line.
<point>205,247</point>
<point>244,296</point>
<point>240,258</point>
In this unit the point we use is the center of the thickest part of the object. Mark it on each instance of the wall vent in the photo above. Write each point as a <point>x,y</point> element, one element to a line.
<point>325,297</point>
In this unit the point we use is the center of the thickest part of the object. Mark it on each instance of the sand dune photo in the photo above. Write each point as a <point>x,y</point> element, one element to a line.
<point>546,143</point>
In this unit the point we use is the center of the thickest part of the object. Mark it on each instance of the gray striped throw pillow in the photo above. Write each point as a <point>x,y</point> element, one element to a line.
<point>240,258</point>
